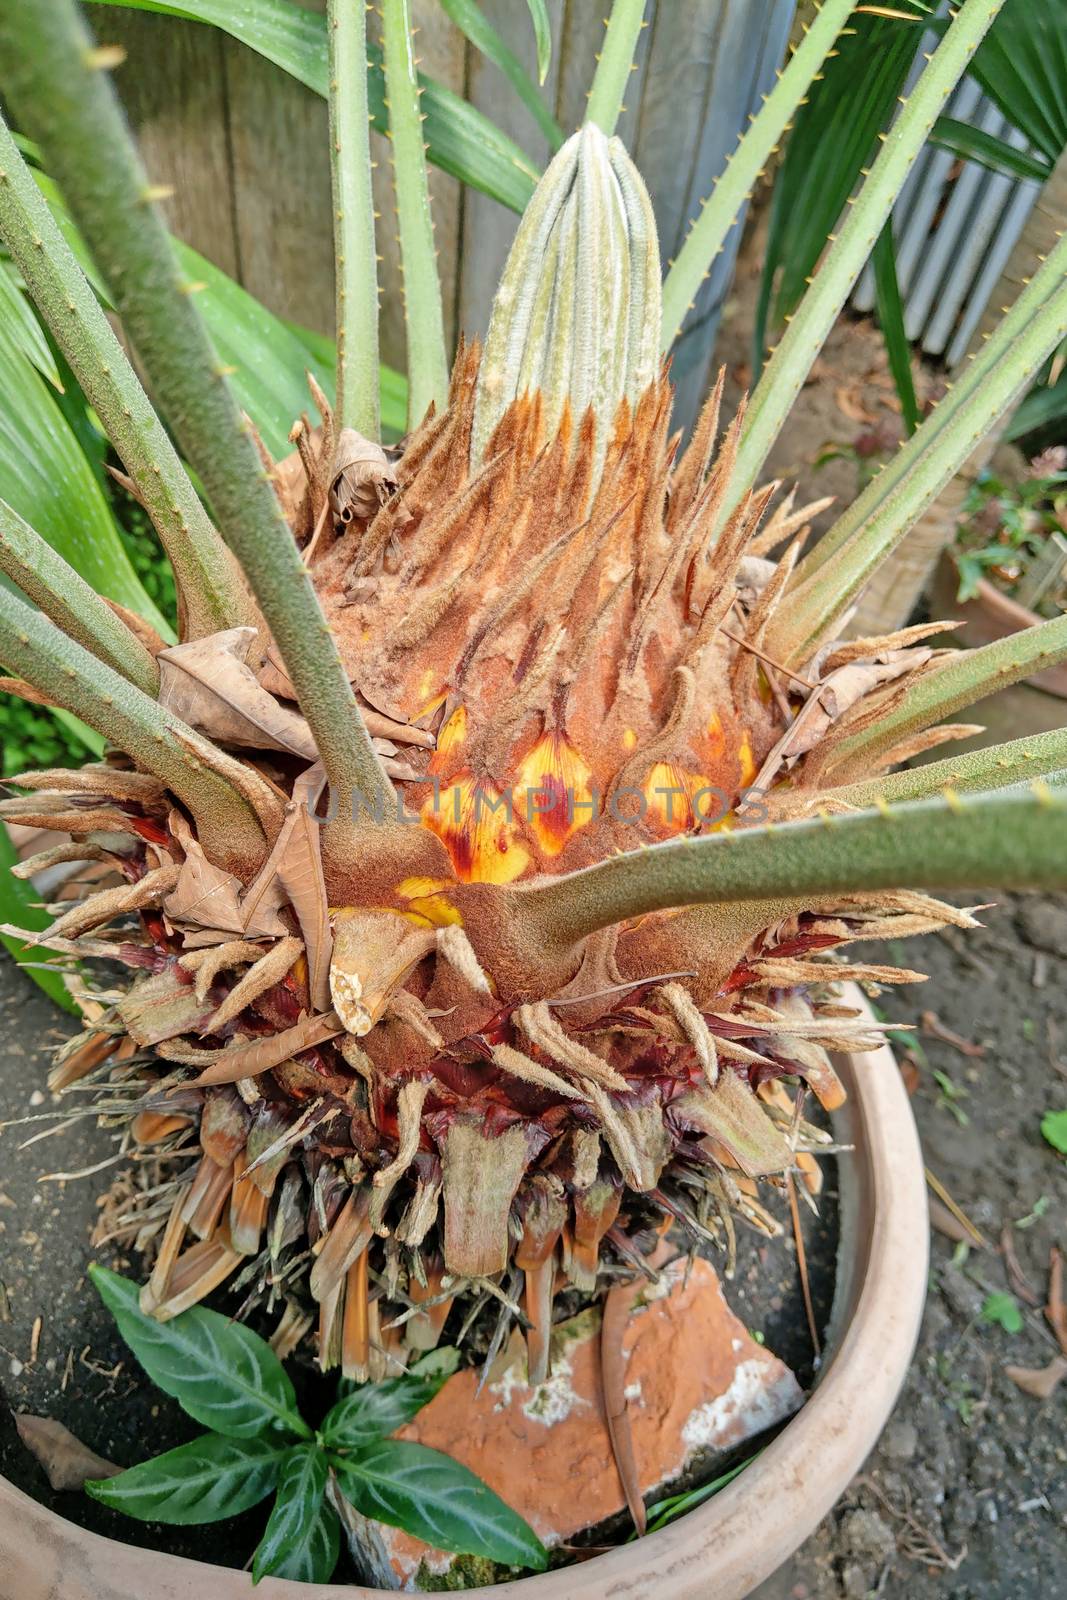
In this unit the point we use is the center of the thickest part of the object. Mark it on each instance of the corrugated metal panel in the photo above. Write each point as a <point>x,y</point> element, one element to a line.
<point>954,227</point>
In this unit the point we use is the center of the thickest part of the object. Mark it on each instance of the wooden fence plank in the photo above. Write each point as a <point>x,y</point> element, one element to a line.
<point>488,227</point>
<point>177,116</point>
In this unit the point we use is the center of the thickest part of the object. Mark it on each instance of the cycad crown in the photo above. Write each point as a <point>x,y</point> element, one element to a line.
<point>409,985</point>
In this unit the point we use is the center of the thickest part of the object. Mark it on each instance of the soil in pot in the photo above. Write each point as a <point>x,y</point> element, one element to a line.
<point>76,1368</point>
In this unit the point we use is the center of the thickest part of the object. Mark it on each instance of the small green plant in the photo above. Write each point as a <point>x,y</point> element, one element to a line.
<point>1036,1212</point>
<point>1054,1129</point>
<point>949,1097</point>
<point>1003,1309</point>
<point>228,1378</point>
<point>1011,533</point>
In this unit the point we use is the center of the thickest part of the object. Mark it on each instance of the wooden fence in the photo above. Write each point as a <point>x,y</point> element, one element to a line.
<point>244,146</point>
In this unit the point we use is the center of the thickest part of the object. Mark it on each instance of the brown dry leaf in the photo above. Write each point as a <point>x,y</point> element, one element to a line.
<point>207,896</point>
<point>299,863</point>
<point>1040,1382</point>
<point>260,1055</point>
<point>362,479</point>
<point>947,1224</point>
<point>934,1028</point>
<point>1016,1275</point>
<point>66,1461</point>
<point>829,702</point>
<point>208,683</point>
<point>851,406</point>
<point>616,1315</point>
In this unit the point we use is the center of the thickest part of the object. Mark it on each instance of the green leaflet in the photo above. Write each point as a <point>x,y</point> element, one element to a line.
<point>542,36</point>
<point>376,1410</point>
<point>1022,66</point>
<point>207,1480</point>
<point>985,148</point>
<point>220,1372</point>
<point>472,21</point>
<point>891,322</point>
<point>24,330</point>
<point>302,1537</point>
<point>432,1496</point>
<point>461,140</point>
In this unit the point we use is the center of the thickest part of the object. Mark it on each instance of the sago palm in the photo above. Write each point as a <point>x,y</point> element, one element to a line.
<point>481,855</point>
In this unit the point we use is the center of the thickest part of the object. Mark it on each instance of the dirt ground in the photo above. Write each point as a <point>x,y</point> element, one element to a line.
<point>966,1496</point>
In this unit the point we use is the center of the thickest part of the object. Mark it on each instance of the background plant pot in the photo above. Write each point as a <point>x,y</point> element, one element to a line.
<point>991,615</point>
<point>731,1542</point>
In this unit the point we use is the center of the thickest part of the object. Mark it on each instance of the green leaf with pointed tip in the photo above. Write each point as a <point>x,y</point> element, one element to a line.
<point>219,1371</point>
<point>207,1480</point>
<point>435,1498</point>
<point>1022,66</point>
<point>542,37</point>
<point>461,140</point>
<point>377,1409</point>
<point>891,321</point>
<point>996,155</point>
<point>301,1539</point>
<point>472,21</point>
<point>20,904</point>
<point>23,327</point>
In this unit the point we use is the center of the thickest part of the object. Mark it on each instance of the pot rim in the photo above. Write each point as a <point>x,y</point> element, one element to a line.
<point>878,1302</point>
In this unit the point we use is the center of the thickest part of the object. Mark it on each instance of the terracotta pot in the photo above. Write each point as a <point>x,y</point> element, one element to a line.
<point>991,615</point>
<point>729,1545</point>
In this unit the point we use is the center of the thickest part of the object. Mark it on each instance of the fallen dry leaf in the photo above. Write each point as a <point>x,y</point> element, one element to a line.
<point>207,896</point>
<point>66,1461</point>
<point>208,683</point>
<point>1040,1382</point>
<point>260,1055</point>
<point>934,1028</point>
